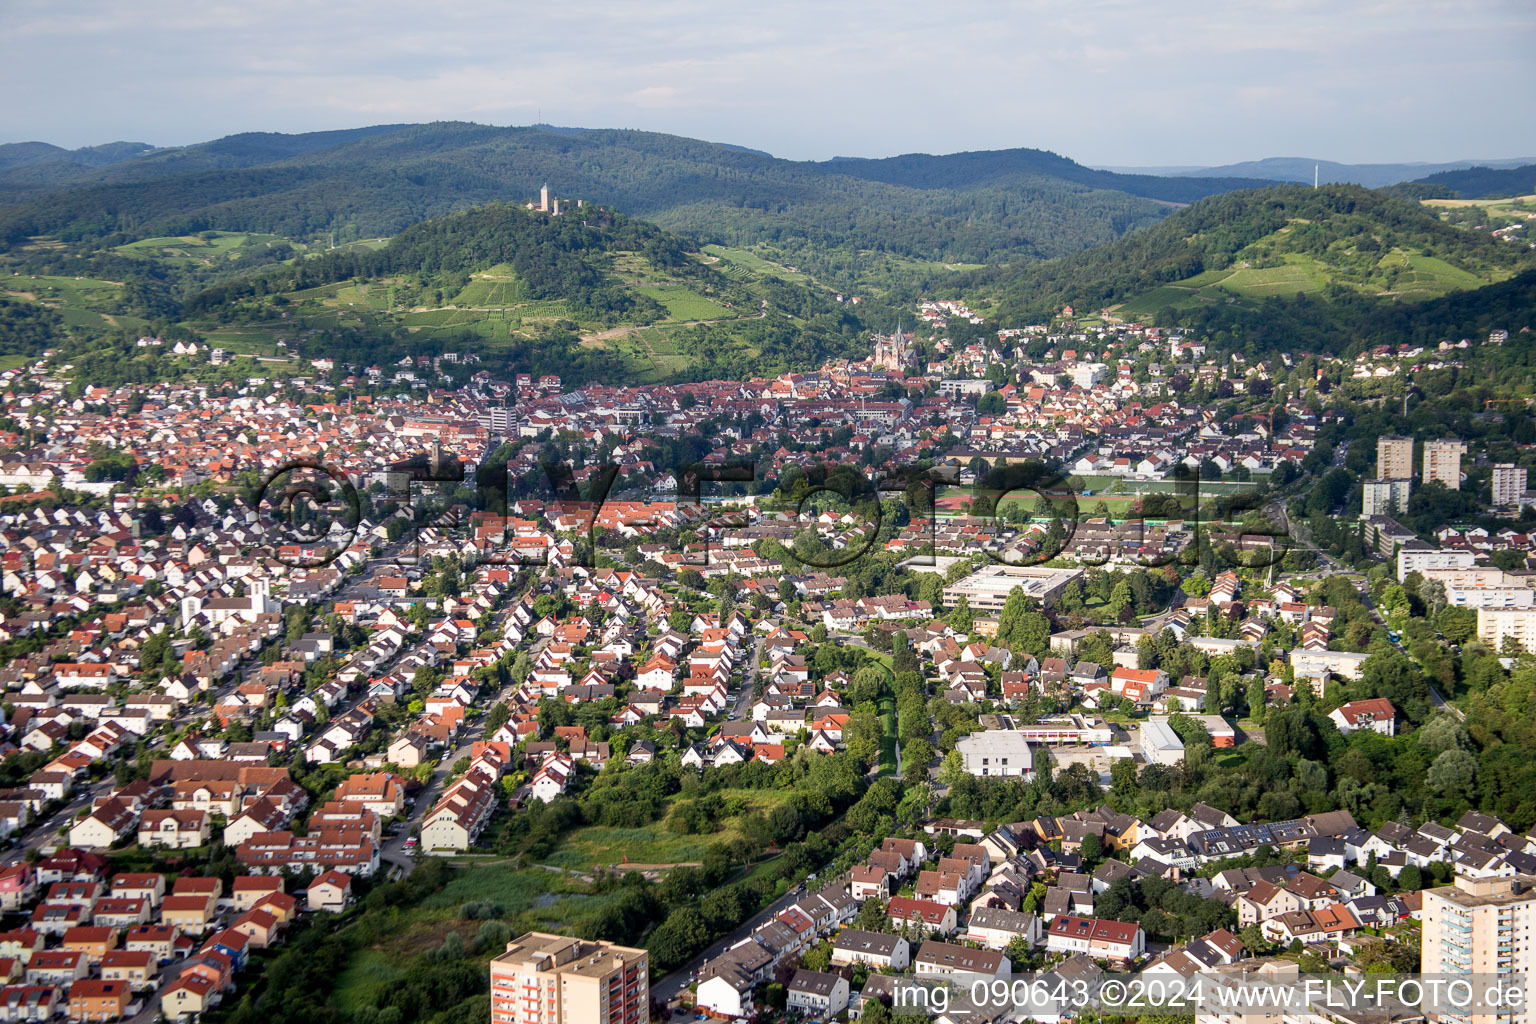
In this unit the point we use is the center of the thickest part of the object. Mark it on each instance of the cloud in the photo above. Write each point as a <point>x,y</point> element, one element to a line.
<point>1103,81</point>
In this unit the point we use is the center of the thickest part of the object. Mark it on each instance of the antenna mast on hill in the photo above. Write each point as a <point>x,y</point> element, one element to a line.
<point>1314,176</point>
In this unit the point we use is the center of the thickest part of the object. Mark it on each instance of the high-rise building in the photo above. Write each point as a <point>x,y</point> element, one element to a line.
<point>1494,625</point>
<point>1394,457</point>
<point>1385,497</point>
<point>1442,461</point>
<point>1508,484</point>
<point>1481,926</point>
<point>555,979</point>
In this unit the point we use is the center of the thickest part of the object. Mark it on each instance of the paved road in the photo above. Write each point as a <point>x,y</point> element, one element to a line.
<point>673,984</point>
<point>394,851</point>
<point>1435,696</point>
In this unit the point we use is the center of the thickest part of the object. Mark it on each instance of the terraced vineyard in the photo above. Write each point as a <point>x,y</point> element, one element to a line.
<point>82,302</point>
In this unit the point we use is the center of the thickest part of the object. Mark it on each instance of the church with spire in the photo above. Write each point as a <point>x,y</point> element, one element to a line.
<point>894,352</point>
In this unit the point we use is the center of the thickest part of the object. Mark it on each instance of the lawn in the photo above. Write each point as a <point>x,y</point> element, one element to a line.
<point>373,296</point>
<point>247,340</point>
<point>888,735</point>
<point>1417,276</point>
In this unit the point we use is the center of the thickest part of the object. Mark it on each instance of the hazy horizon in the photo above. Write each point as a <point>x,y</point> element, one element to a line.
<point>1105,82</point>
<point>1121,168</point>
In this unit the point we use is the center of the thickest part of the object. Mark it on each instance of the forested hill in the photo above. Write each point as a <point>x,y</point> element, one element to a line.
<point>565,258</point>
<point>989,167</point>
<point>40,162</point>
<point>590,294</point>
<point>968,207</point>
<point>1486,182</point>
<point>1244,248</point>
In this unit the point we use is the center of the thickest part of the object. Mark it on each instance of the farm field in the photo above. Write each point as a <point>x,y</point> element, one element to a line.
<point>1515,202</point>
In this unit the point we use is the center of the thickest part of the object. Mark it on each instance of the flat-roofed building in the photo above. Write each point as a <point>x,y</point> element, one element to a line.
<point>987,588</point>
<point>1221,732</point>
<point>996,753</point>
<point>1508,485</point>
<point>1417,556</point>
<point>1480,926</point>
<point>1394,457</point>
<point>1442,462</point>
<point>1385,497</point>
<point>1494,625</point>
<point>1159,743</point>
<point>555,979</point>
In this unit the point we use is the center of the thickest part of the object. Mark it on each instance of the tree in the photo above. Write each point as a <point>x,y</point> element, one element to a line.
<point>1453,774</point>
<point>1120,598</point>
<point>876,1012</point>
<point>1432,594</point>
<point>1442,733</point>
<point>952,769</point>
<point>1256,698</point>
<point>678,938</point>
<point>871,916</point>
<point>960,618</point>
<point>915,757</point>
<point>1023,629</point>
<point>1092,848</point>
<point>862,737</point>
<point>1122,772</point>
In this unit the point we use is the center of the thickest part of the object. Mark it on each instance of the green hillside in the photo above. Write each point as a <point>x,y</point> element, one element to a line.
<point>1244,249</point>
<point>965,207</point>
<point>588,295</point>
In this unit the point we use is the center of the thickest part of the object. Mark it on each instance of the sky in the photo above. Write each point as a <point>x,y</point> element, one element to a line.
<point>1105,82</point>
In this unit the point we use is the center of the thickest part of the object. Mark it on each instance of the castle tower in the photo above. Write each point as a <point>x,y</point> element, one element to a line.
<point>544,198</point>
